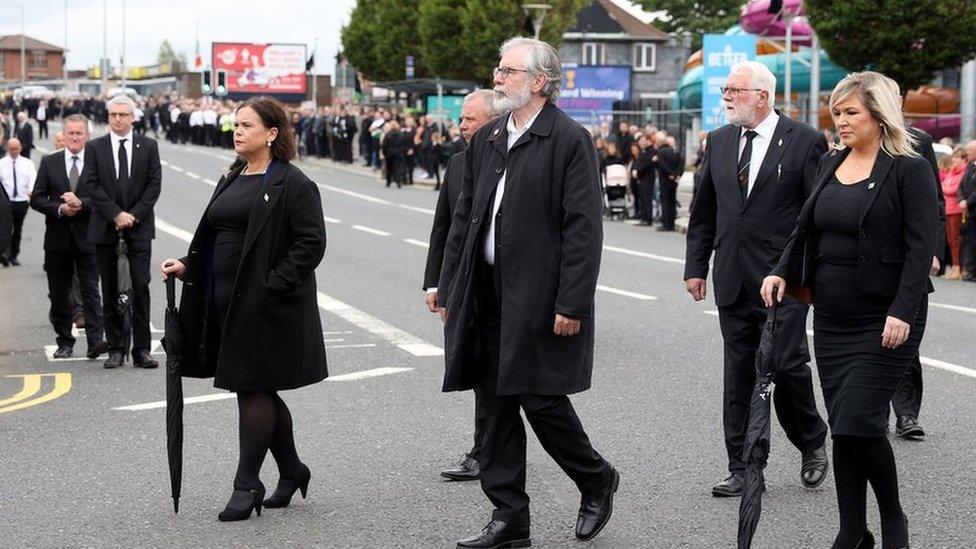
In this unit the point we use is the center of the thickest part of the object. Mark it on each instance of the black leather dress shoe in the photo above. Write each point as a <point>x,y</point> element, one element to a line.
<point>498,535</point>
<point>908,427</point>
<point>730,487</point>
<point>141,359</point>
<point>867,541</point>
<point>14,261</point>
<point>595,510</point>
<point>97,350</point>
<point>114,360</point>
<point>467,468</point>
<point>814,468</point>
<point>64,351</point>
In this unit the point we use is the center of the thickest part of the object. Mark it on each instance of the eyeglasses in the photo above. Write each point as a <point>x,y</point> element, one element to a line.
<point>736,91</point>
<point>507,71</point>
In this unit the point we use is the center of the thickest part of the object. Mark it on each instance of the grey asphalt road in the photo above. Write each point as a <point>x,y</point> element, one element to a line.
<point>77,471</point>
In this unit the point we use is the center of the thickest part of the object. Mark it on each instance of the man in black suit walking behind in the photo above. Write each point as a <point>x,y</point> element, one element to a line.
<point>477,109</point>
<point>123,178</point>
<point>519,279</point>
<point>758,171</point>
<point>66,246</point>
<point>24,131</point>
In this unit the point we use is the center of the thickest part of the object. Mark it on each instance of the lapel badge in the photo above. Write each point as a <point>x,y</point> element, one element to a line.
<point>870,185</point>
<point>780,143</point>
<point>495,132</point>
<point>265,197</point>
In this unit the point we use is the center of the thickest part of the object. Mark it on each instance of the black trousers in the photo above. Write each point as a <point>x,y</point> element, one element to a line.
<point>647,199</point>
<point>19,210</point>
<point>669,202</point>
<point>907,400</point>
<point>742,324</point>
<point>61,267</point>
<point>479,425</point>
<point>967,251</point>
<point>140,256</point>
<point>552,417</point>
<point>42,129</point>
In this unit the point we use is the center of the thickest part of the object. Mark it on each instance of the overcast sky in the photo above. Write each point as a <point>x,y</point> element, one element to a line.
<point>148,22</point>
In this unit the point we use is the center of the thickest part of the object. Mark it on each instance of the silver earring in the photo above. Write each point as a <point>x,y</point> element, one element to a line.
<point>269,142</point>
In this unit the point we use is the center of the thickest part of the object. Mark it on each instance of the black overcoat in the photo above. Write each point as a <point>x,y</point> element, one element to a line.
<point>548,236</point>
<point>272,336</point>
<point>443,215</point>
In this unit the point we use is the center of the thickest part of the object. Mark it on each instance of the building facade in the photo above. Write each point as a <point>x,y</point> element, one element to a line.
<point>42,61</point>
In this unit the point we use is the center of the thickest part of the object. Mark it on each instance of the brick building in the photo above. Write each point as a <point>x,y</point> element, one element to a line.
<point>42,61</point>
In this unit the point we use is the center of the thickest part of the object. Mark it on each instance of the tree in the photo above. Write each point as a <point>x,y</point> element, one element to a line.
<point>696,17</point>
<point>358,37</point>
<point>485,24</point>
<point>439,25</point>
<point>379,36</point>
<point>908,40</point>
<point>167,55</point>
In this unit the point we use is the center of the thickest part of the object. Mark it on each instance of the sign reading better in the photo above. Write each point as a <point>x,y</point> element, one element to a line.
<point>721,52</point>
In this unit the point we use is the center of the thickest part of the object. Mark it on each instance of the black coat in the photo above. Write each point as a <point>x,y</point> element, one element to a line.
<point>25,133</point>
<point>898,226</point>
<point>748,237</point>
<point>967,188</point>
<point>669,164</point>
<point>443,214</point>
<point>272,337</point>
<point>925,149</point>
<point>645,166</point>
<point>548,237</point>
<point>98,181</point>
<point>51,183</point>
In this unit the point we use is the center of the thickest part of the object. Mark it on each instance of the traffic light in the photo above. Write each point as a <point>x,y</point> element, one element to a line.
<point>221,82</point>
<point>205,86</point>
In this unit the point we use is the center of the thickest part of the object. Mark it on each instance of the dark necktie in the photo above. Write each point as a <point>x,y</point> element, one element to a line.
<point>123,171</point>
<point>744,162</point>
<point>13,166</point>
<point>73,175</point>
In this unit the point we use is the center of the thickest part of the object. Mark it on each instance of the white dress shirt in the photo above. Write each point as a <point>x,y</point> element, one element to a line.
<point>760,144</point>
<point>128,151</point>
<point>196,118</point>
<point>209,117</point>
<point>174,115</point>
<point>513,135</point>
<point>26,173</point>
<point>81,160</point>
<point>41,113</point>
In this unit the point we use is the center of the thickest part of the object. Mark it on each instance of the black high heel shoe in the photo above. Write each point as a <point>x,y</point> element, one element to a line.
<point>241,503</point>
<point>287,487</point>
<point>867,541</point>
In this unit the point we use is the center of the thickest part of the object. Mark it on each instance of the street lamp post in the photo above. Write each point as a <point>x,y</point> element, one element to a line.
<point>23,49</point>
<point>538,14</point>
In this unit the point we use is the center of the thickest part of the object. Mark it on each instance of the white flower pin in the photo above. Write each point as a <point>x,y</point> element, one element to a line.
<point>265,197</point>
<point>780,144</point>
<point>870,185</point>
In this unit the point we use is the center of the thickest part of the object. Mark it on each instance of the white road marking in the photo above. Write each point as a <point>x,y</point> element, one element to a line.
<point>360,196</point>
<point>370,230</point>
<point>958,308</point>
<point>416,242</point>
<point>79,354</point>
<point>713,313</point>
<point>353,376</point>
<point>193,175</point>
<point>331,219</point>
<point>167,227</point>
<point>210,182</point>
<point>163,163</point>
<point>626,293</point>
<point>416,209</point>
<point>644,254</point>
<point>343,332</point>
<point>404,340</point>
<point>176,168</point>
<point>351,346</point>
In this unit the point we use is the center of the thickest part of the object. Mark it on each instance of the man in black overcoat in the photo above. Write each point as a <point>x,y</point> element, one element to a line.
<point>758,171</point>
<point>967,200</point>
<point>645,175</point>
<point>122,177</point>
<point>24,131</point>
<point>670,168</point>
<point>518,284</point>
<point>478,108</point>
<point>66,247</point>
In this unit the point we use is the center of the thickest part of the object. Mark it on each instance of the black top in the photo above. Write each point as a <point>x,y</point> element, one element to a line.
<point>230,210</point>
<point>836,220</point>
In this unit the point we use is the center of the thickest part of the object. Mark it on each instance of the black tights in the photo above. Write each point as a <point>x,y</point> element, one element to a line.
<point>857,461</point>
<point>265,423</point>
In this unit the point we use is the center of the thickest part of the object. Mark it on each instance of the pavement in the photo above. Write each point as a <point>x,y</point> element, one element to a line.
<point>83,448</point>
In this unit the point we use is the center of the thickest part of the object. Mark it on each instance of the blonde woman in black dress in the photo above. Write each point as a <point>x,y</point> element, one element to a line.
<point>249,302</point>
<point>864,244</point>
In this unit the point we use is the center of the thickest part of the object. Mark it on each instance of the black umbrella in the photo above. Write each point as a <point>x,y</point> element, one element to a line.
<point>124,285</point>
<point>756,449</point>
<point>172,344</point>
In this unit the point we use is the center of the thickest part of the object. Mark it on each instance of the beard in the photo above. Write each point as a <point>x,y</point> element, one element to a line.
<point>741,116</point>
<point>510,102</point>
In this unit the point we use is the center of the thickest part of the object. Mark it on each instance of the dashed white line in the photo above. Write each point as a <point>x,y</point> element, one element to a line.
<point>404,340</point>
<point>626,293</point>
<point>331,219</point>
<point>360,196</point>
<point>416,209</point>
<point>416,242</point>
<point>176,168</point>
<point>370,230</point>
<point>958,308</point>
<point>210,182</point>
<point>167,227</point>
<point>193,175</point>
<point>644,254</point>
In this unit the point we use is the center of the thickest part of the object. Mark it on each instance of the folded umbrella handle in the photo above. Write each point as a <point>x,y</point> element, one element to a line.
<point>171,292</point>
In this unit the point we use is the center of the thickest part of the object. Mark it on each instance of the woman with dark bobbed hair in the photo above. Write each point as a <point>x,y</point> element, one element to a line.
<point>864,244</point>
<point>249,305</point>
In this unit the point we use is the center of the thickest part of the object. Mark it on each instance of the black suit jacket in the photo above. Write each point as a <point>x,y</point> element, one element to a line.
<point>898,226</point>
<point>100,183</point>
<point>25,133</point>
<point>669,163</point>
<point>443,214</point>
<point>967,188</point>
<point>51,183</point>
<point>925,149</point>
<point>748,236</point>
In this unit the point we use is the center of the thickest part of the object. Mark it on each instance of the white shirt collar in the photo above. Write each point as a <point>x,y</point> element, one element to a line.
<point>116,138</point>
<point>525,127</point>
<point>80,154</point>
<point>765,128</point>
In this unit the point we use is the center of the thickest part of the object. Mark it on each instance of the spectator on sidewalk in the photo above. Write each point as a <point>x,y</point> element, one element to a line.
<point>17,175</point>
<point>951,178</point>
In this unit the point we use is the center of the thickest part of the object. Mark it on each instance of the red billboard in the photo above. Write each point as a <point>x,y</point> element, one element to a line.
<point>261,68</point>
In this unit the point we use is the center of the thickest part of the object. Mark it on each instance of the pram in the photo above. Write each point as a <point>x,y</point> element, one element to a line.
<point>615,179</point>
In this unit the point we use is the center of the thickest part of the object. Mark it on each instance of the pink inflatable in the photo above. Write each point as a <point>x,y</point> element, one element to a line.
<point>755,19</point>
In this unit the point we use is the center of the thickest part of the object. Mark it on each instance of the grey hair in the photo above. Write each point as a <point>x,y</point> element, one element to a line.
<point>542,59</point>
<point>76,117</point>
<point>123,100</point>
<point>762,78</point>
<point>488,97</point>
<point>882,98</point>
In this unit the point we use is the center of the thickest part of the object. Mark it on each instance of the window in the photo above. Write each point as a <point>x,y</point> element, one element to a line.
<point>37,60</point>
<point>645,57</point>
<point>594,53</point>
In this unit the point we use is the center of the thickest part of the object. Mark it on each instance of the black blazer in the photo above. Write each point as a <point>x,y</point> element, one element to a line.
<point>272,336</point>
<point>443,214</point>
<point>25,133</point>
<point>748,237</point>
<point>100,183</point>
<point>898,227</point>
<point>967,188</point>
<point>669,163</point>
<point>925,149</point>
<point>51,183</point>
